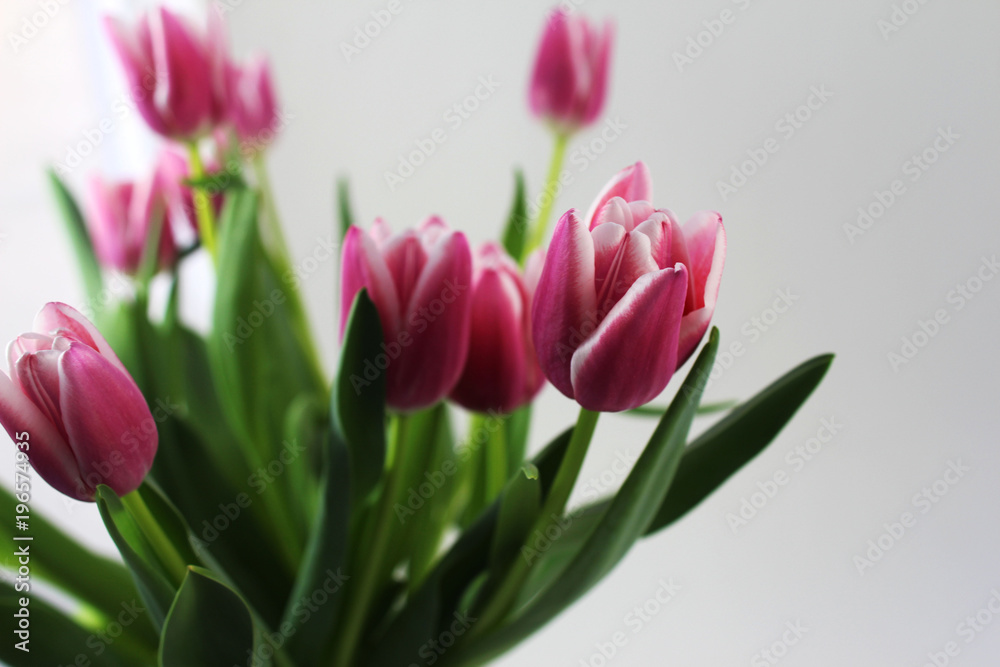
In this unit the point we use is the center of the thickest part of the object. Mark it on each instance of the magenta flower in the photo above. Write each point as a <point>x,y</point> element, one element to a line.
<point>253,108</point>
<point>625,295</point>
<point>176,75</point>
<point>121,216</point>
<point>71,399</point>
<point>570,78</point>
<point>501,372</point>
<point>419,281</point>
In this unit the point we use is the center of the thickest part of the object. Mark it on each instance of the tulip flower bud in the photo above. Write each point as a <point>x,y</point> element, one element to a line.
<point>121,216</point>
<point>419,281</point>
<point>625,295</point>
<point>570,78</point>
<point>176,75</point>
<point>253,108</point>
<point>501,372</point>
<point>80,413</point>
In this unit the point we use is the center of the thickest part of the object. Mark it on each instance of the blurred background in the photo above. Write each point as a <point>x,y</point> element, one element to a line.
<point>851,148</point>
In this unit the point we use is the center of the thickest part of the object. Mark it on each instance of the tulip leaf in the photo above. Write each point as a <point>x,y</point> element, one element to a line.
<point>437,603</point>
<point>735,440</point>
<point>76,226</point>
<point>515,232</point>
<point>631,511</point>
<point>359,396</point>
<point>169,520</point>
<point>54,639</point>
<point>345,215</point>
<point>208,625</point>
<point>520,505</point>
<point>325,554</point>
<point>703,410</point>
<point>61,561</point>
<point>152,581</point>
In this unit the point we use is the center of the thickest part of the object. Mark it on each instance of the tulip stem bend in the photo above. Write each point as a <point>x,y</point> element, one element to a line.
<point>516,574</point>
<point>548,196</point>
<point>171,559</point>
<point>202,203</point>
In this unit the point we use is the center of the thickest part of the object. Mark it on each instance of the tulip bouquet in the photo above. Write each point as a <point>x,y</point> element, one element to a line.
<point>267,514</point>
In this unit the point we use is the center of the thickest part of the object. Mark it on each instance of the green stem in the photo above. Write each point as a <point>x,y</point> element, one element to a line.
<point>495,460</point>
<point>171,559</point>
<point>540,225</point>
<point>203,204</point>
<point>375,546</point>
<point>513,579</point>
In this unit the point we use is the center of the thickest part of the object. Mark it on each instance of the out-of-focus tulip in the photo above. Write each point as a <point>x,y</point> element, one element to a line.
<point>253,107</point>
<point>79,411</point>
<point>570,78</point>
<point>177,75</point>
<point>625,295</point>
<point>501,372</point>
<point>120,219</point>
<point>419,281</point>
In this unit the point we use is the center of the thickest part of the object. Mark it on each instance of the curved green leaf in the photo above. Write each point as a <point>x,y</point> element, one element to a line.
<point>209,625</point>
<point>515,232</point>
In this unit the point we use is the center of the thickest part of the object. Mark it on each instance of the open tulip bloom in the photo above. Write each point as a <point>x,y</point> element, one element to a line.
<point>270,513</point>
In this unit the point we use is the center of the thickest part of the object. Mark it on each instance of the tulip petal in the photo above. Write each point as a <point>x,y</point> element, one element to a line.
<point>495,373</point>
<point>438,328</point>
<point>600,65</point>
<point>48,452</point>
<point>631,183</point>
<point>55,316</point>
<point>632,355</point>
<point>139,71</point>
<point>564,312</point>
<point>185,78</point>
<point>115,441</point>
<point>705,237</point>
<point>362,266</point>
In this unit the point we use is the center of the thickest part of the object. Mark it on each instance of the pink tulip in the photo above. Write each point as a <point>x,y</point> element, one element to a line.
<point>501,372</point>
<point>625,296</point>
<point>253,108</point>
<point>570,79</point>
<point>419,281</point>
<point>176,75</point>
<point>70,398</point>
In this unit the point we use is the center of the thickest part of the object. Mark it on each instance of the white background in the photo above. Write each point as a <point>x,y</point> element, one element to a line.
<point>891,93</point>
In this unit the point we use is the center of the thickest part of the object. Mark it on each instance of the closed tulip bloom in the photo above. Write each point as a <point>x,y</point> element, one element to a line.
<point>570,78</point>
<point>81,413</point>
<point>176,74</point>
<point>501,372</point>
<point>625,295</point>
<point>419,281</point>
<point>253,108</point>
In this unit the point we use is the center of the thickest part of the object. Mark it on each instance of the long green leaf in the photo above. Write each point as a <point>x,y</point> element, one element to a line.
<point>77,228</point>
<point>209,625</point>
<point>359,396</point>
